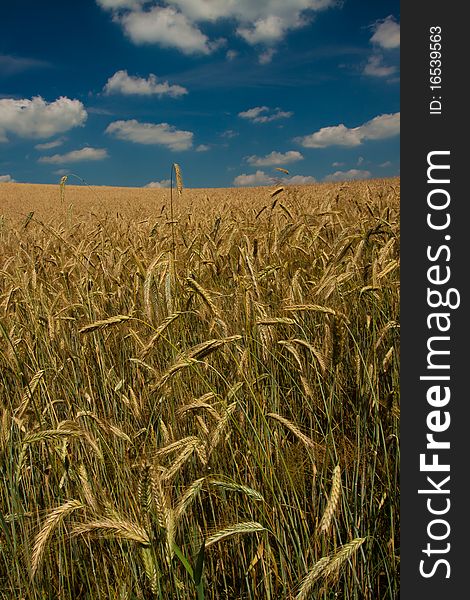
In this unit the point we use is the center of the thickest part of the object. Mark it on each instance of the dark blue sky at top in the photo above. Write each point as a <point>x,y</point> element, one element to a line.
<point>318,76</point>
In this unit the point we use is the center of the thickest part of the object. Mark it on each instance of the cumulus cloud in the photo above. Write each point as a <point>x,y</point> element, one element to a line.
<point>37,118</point>
<point>264,114</point>
<point>229,134</point>
<point>177,24</point>
<point>231,54</point>
<point>6,179</point>
<point>75,156</point>
<point>164,183</point>
<point>267,30</point>
<point>261,178</point>
<point>386,33</point>
<point>166,27</point>
<point>119,4</point>
<point>257,22</point>
<point>337,135</point>
<point>254,179</point>
<point>50,145</point>
<point>203,148</point>
<point>247,10</point>
<point>299,179</point>
<point>386,36</point>
<point>275,158</point>
<point>381,127</point>
<point>348,175</point>
<point>123,83</point>
<point>160,134</point>
<point>266,57</point>
<point>376,68</point>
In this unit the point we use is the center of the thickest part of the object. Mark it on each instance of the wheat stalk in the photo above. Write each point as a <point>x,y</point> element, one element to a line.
<point>316,353</point>
<point>158,333</point>
<point>312,576</point>
<point>205,295</point>
<point>200,403</point>
<point>179,187</point>
<point>104,323</point>
<point>236,487</point>
<point>182,364</point>
<point>221,425</point>
<point>160,498</point>
<point>188,497</point>
<point>117,528</point>
<point>54,519</point>
<point>151,569</point>
<point>294,429</point>
<point>311,307</point>
<point>180,460</point>
<point>327,567</point>
<point>86,488</point>
<point>341,556</point>
<point>27,396</point>
<point>332,501</point>
<point>239,528</point>
<point>182,443</point>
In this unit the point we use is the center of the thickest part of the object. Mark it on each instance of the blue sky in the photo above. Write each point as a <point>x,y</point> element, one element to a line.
<point>115,91</point>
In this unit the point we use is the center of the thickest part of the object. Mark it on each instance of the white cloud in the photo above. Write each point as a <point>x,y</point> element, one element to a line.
<point>338,135</point>
<point>266,30</point>
<point>253,113</point>
<point>61,172</point>
<point>265,21</point>
<point>203,148</point>
<point>123,83</point>
<point>337,164</point>
<point>50,145</point>
<point>299,179</point>
<point>381,127</point>
<point>258,178</point>
<point>266,57</point>
<point>275,158</point>
<point>150,133</point>
<point>348,175</point>
<point>9,65</point>
<point>6,179</point>
<point>264,114</point>
<point>37,118</point>
<point>167,28</point>
<point>75,156</point>
<point>376,68</point>
<point>385,164</point>
<point>231,54</point>
<point>261,178</point>
<point>247,10</point>
<point>175,25</point>
<point>229,134</point>
<point>386,33</point>
<point>164,183</point>
<point>118,4</point>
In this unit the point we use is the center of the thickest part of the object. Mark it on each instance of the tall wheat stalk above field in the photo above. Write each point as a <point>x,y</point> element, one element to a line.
<point>179,188</point>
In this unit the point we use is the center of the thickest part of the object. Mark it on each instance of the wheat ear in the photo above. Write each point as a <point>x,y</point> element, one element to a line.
<point>332,501</point>
<point>53,521</point>
<point>248,527</point>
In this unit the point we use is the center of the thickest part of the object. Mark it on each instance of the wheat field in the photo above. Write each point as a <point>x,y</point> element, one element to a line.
<point>199,392</point>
